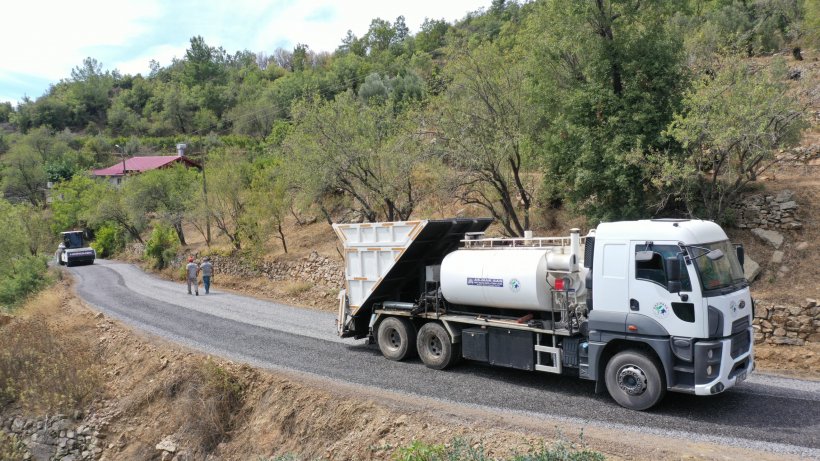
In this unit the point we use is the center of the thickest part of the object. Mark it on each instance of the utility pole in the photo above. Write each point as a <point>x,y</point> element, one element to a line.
<point>122,156</point>
<point>205,196</point>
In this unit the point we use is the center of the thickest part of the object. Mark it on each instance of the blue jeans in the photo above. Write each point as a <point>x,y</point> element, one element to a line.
<point>206,280</point>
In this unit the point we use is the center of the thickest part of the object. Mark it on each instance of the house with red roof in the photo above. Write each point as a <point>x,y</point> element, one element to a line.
<point>137,165</point>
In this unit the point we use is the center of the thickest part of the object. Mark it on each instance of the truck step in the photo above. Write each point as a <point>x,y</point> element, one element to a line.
<point>684,368</point>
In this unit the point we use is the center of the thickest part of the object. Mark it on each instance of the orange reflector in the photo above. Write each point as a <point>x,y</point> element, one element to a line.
<point>632,328</point>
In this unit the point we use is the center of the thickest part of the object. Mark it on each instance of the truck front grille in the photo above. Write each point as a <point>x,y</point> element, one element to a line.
<point>741,343</point>
<point>740,325</point>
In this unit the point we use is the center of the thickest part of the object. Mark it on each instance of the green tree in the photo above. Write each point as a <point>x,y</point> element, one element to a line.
<point>486,119</point>
<point>366,151</point>
<point>731,127</point>
<point>73,202</point>
<point>608,76</point>
<point>269,200</point>
<point>111,207</point>
<point>23,175</point>
<point>229,178</point>
<point>167,194</point>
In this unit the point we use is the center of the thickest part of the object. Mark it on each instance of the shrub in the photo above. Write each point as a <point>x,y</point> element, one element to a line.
<point>214,398</point>
<point>162,246</point>
<point>20,278</point>
<point>110,239</point>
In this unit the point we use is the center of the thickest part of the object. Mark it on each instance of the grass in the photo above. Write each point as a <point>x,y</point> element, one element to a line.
<point>461,450</point>
<point>11,447</point>
<point>296,288</point>
<point>40,372</point>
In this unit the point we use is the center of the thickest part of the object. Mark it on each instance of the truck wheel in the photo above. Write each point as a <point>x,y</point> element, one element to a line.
<point>635,380</point>
<point>397,338</point>
<point>435,348</point>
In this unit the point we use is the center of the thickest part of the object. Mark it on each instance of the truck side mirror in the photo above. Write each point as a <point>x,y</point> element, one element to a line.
<point>672,267</point>
<point>741,254</point>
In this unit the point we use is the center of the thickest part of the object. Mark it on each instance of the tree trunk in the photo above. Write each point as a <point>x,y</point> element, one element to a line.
<point>282,236</point>
<point>180,233</point>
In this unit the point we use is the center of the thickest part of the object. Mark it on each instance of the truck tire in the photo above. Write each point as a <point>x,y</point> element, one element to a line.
<point>397,338</point>
<point>635,380</point>
<point>435,348</point>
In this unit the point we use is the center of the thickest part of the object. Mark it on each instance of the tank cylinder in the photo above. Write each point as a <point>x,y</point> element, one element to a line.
<point>504,278</point>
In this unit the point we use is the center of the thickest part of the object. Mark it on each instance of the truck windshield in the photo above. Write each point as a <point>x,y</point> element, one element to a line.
<point>73,240</point>
<point>721,273</point>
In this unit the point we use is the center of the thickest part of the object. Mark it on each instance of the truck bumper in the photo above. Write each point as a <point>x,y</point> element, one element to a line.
<point>731,371</point>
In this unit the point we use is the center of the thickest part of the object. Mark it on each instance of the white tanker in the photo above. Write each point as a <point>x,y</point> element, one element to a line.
<point>640,308</point>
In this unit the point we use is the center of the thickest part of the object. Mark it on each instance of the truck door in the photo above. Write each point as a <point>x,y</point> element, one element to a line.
<point>648,294</point>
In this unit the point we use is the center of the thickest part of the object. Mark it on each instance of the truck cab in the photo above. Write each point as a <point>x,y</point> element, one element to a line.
<point>674,292</point>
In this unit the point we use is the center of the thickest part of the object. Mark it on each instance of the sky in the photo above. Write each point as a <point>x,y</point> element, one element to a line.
<point>44,39</point>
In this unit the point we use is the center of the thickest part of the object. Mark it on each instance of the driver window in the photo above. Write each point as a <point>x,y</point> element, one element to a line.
<point>654,271</point>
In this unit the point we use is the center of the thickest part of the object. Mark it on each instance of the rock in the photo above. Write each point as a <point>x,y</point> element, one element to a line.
<point>790,205</point>
<point>99,315</point>
<point>18,425</point>
<point>784,196</point>
<point>779,332</point>
<point>777,257</point>
<point>795,310</point>
<point>788,341</point>
<point>770,237</point>
<point>168,444</point>
<point>809,303</point>
<point>784,269</point>
<point>802,246</point>
<point>751,269</point>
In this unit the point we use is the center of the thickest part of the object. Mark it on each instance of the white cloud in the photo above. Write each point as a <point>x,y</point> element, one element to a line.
<point>48,38</point>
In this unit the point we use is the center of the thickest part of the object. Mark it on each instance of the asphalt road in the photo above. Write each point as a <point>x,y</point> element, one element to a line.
<point>766,412</point>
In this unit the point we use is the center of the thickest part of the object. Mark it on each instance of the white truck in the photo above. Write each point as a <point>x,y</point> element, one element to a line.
<point>640,307</point>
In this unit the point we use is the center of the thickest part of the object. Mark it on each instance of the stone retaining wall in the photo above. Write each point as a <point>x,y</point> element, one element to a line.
<point>767,212</point>
<point>314,268</point>
<point>792,325</point>
<point>55,438</point>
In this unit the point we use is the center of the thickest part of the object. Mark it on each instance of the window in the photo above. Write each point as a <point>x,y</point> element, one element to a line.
<point>654,269</point>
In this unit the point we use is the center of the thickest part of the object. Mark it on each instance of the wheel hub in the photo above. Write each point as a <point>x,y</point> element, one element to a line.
<point>632,380</point>
<point>394,338</point>
<point>435,346</point>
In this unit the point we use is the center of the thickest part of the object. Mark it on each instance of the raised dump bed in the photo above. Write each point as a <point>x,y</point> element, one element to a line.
<point>387,261</point>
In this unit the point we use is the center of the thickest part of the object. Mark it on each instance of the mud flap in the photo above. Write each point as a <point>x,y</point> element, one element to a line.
<point>600,386</point>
